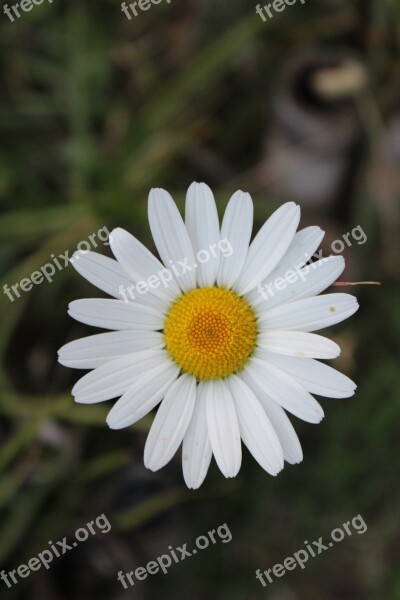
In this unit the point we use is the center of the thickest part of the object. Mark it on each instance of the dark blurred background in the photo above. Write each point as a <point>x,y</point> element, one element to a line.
<point>96,109</point>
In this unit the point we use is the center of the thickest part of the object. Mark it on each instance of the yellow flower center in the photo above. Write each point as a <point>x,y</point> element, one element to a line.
<point>210,332</point>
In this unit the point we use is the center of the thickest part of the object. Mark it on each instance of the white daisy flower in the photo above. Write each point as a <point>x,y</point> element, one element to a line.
<point>225,360</point>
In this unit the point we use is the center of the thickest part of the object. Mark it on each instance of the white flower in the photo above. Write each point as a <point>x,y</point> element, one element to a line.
<point>225,360</point>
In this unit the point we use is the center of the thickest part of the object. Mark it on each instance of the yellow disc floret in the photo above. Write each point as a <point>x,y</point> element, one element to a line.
<point>210,332</point>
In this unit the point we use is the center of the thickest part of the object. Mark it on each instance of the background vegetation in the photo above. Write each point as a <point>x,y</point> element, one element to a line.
<point>94,111</point>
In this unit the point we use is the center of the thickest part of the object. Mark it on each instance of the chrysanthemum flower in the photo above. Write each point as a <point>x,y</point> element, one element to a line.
<point>196,334</point>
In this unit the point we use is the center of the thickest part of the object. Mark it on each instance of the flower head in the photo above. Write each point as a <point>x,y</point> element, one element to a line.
<point>219,332</point>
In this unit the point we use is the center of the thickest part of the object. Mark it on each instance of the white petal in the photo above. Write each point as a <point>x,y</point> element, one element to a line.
<point>223,427</point>
<point>310,314</point>
<point>297,343</point>
<point>96,350</point>
<point>103,272</point>
<point>283,389</point>
<point>255,427</point>
<point>304,244</point>
<point>268,247</point>
<point>201,219</point>
<point>115,377</point>
<point>196,449</point>
<point>143,395</point>
<point>236,229</point>
<point>115,314</point>
<point>142,266</point>
<point>288,438</point>
<point>171,238</point>
<point>314,376</point>
<point>309,281</point>
<point>170,423</point>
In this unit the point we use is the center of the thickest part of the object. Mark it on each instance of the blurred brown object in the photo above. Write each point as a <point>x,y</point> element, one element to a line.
<point>181,32</point>
<point>314,127</point>
<point>384,186</point>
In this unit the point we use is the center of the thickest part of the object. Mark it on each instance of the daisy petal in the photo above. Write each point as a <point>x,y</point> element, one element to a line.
<point>255,428</point>
<point>304,244</point>
<point>310,314</point>
<point>297,343</point>
<point>101,271</point>
<point>95,350</point>
<point>223,427</point>
<point>283,390</point>
<point>115,314</point>
<point>309,281</point>
<point>196,449</point>
<point>115,377</point>
<point>201,219</point>
<point>288,438</point>
<point>143,395</point>
<point>170,423</point>
<point>236,228</point>
<point>268,247</point>
<point>171,238</point>
<point>142,266</point>
<point>314,376</point>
